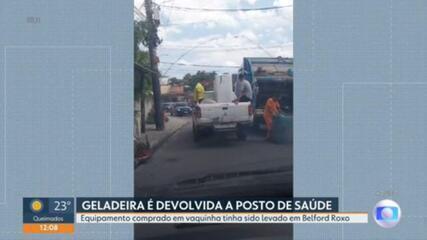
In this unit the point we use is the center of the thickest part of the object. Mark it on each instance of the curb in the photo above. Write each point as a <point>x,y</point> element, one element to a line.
<point>157,145</point>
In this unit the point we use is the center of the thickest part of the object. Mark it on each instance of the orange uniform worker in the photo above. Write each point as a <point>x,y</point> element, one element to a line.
<point>271,109</point>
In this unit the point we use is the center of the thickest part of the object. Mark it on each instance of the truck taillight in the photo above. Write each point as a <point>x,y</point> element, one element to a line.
<point>250,110</point>
<point>197,112</point>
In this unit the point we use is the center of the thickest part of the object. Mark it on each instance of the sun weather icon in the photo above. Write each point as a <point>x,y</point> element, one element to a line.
<point>36,205</point>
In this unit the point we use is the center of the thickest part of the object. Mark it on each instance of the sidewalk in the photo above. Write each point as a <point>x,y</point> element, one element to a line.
<point>157,138</point>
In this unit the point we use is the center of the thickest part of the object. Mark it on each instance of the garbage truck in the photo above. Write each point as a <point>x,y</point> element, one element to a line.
<point>269,77</point>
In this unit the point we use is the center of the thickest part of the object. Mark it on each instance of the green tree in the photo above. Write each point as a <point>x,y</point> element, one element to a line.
<point>191,80</point>
<point>141,57</point>
<point>175,81</point>
<point>140,35</point>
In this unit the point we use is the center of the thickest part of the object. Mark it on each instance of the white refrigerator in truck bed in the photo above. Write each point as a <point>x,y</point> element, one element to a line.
<point>223,88</point>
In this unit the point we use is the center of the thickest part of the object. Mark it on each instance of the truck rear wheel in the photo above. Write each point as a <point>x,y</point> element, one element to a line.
<point>256,123</point>
<point>241,133</point>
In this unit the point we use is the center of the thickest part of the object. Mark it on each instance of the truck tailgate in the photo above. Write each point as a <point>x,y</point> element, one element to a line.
<point>226,112</point>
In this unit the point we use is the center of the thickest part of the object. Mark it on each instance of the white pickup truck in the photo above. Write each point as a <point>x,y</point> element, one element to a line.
<point>221,114</point>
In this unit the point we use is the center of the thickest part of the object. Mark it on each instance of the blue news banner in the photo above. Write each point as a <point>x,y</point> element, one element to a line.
<point>213,210</point>
<point>58,215</point>
<point>93,205</point>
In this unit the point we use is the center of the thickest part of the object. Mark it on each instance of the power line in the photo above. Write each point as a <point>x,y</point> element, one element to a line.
<point>166,1</point>
<point>193,70</point>
<point>138,12</point>
<point>212,39</point>
<point>186,46</point>
<point>168,15</point>
<point>147,68</point>
<point>214,49</point>
<point>189,50</point>
<point>201,65</point>
<point>217,46</point>
<point>214,21</point>
<point>226,9</point>
<point>187,23</point>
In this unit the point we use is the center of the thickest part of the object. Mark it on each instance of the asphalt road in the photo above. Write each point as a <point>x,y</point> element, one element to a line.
<point>216,166</point>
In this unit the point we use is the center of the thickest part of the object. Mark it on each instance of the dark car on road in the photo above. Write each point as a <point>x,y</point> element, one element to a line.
<point>181,109</point>
<point>167,107</point>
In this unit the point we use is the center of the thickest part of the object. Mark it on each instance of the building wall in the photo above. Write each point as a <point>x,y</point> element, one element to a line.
<point>148,104</point>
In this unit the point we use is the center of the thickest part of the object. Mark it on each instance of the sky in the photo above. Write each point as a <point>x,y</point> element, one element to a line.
<point>221,38</point>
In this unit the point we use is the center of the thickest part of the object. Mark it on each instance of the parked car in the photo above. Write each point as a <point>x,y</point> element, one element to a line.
<point>183,111</point>
<point>167,106</point>
<point>183,106</point>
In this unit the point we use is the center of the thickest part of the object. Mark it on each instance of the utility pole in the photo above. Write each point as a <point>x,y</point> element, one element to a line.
<point>152,45</point>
